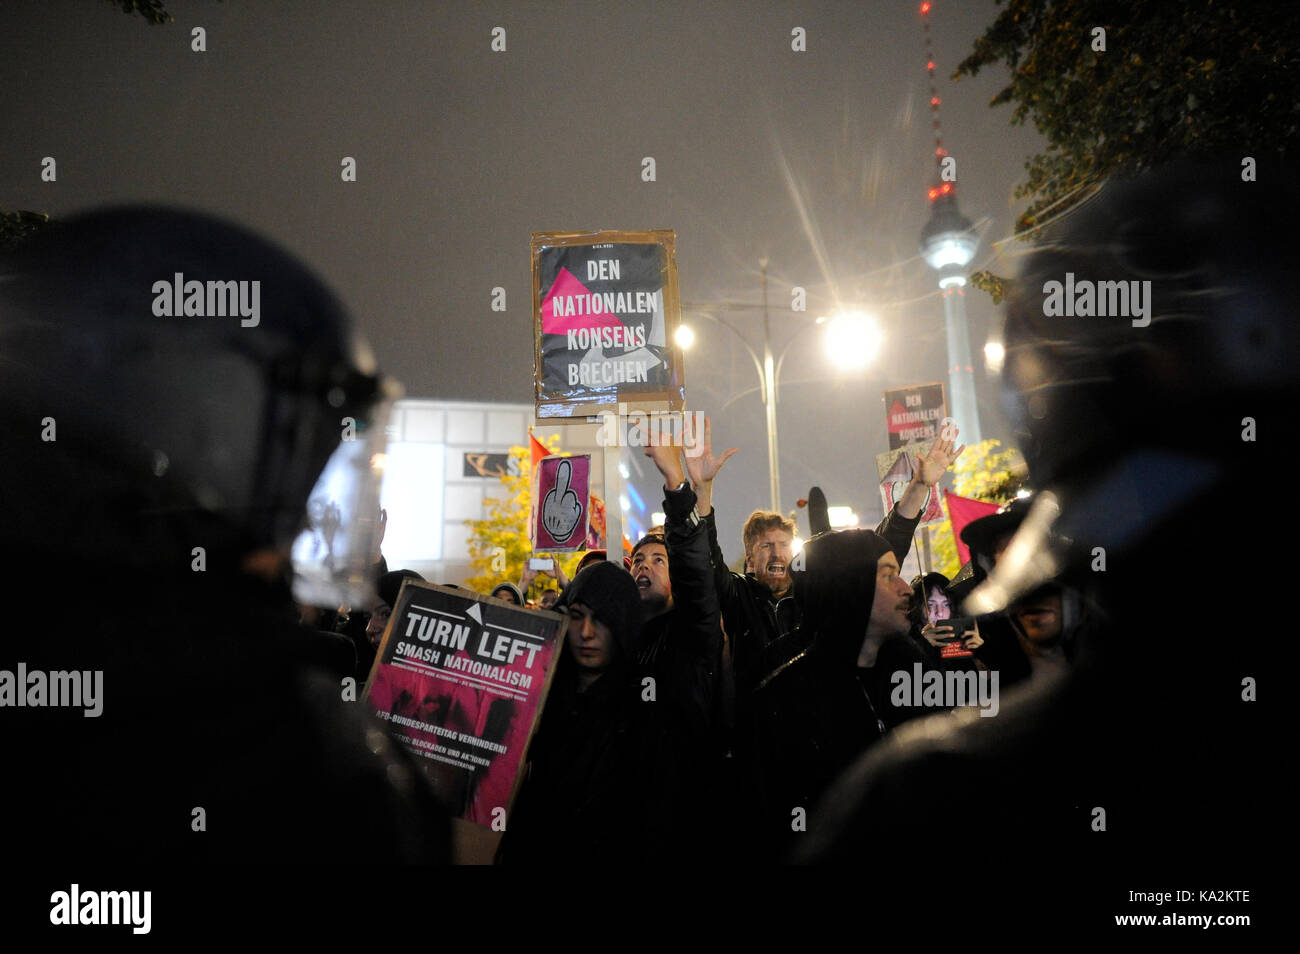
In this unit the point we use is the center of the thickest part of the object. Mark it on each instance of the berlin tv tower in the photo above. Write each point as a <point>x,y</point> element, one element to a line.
<point>948,245</point>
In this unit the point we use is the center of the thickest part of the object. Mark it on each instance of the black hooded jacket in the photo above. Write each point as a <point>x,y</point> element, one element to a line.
<point>682,648</point>
<point>1158,737</point>
<point>812,715</point>
<point>604,781</point>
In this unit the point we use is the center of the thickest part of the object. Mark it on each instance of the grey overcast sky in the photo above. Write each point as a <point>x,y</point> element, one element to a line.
<point>462,152</point>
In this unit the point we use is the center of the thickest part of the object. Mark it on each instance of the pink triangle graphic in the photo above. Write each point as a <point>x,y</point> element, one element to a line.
<point>564,286</point>
<point>895,413</point>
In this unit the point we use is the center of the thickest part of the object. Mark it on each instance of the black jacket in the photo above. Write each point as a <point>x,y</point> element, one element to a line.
<point>211,700</point>
<point>604,779</point>
<point>1155,731</point>
<point>682,648</point>
<point>813,715</point>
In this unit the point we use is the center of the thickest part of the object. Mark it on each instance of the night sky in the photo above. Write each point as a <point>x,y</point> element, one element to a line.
<point>462,152</point>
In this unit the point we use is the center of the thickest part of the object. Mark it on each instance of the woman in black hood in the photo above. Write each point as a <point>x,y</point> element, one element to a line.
<point>604,777</point>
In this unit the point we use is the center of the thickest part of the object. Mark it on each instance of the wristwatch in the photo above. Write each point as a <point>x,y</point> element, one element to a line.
<point>693,518</point>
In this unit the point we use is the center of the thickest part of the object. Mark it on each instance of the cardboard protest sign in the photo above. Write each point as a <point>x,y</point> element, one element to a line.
<point>461,679</point>
<point>895,470</point>
<point>605,313</point>
<point>561,504</point>
<point>914,414</point>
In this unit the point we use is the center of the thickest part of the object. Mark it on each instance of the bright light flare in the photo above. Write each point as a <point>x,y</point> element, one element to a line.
<point>685,337</point>
<point>853,340</point>
<point>994,355</point>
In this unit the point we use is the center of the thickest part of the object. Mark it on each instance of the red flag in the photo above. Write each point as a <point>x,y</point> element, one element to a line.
<point>961,511</point>
<point>538,448</point>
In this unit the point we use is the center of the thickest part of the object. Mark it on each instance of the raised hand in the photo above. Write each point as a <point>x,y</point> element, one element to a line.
<point>931,466</point>
<point>561,577</point>
<point>701,465</point>
<point>668,458</point>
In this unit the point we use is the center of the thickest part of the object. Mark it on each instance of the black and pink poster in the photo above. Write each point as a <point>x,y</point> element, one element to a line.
<point>461,680</point>
<point>561,504</point>
<point>605,310</point>
<point>914,414</point>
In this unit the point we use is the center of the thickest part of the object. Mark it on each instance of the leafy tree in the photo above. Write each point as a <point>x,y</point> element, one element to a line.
<point>983,472</point>
<point>1197,77</point>
<point>152,10</point>
<point>498,544</point>
<point>18,225</point>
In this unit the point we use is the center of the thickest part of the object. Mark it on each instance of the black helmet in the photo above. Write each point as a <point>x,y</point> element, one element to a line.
<point>195,379</point>
<point>1124,417</point>
<point>1219,320</point>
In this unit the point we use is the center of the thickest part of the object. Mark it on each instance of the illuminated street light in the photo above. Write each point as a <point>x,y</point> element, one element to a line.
<point>853,339</point>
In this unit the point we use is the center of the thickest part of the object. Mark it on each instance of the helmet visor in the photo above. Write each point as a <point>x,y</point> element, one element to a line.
<point>335,552</point>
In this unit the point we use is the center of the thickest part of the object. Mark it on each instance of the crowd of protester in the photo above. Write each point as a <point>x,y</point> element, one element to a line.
<point>766,683</point>
<point>696,713</point>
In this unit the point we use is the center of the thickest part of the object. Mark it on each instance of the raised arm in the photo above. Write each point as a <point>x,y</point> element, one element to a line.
<point>702,467</point>
<point>927,470</point>
<point>689,566</point>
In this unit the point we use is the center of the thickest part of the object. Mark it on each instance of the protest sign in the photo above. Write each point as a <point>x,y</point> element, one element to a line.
<point>895,470</point>
<point>461,679</point>
<point>605,313</point>
<point>914,414</point>
<point>561,504</point>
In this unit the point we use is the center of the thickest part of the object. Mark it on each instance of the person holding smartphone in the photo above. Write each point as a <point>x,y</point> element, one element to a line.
<point>944,636</point>
<point>542,565</point>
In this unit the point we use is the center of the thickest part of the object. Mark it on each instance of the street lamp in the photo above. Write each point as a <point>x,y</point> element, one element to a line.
<point>853,340</point>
